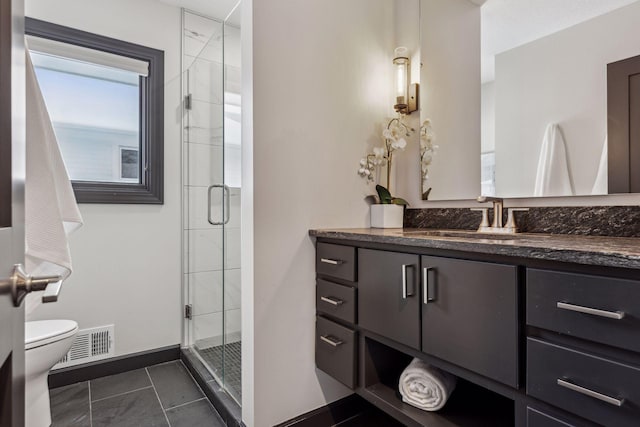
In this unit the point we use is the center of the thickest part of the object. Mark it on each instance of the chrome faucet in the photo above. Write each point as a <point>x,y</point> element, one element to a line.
<point>498,205</point>
<point>496,226</point>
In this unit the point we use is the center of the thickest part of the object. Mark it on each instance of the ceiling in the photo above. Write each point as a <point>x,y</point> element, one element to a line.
<point>219,9</point>
<point>507,24</point>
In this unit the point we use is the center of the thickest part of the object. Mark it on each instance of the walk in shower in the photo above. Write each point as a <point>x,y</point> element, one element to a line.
<point>211,193</point>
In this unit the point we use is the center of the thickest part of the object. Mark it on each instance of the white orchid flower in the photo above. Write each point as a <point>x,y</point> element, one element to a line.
<point>400,144</point>
<point>378,152</point>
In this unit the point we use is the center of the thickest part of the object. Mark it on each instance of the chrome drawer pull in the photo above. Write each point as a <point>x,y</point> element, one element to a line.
<point>618,315</point>
<point>603,397</point>
<point>334,342</point>
<point>332,301</point>
<point>331,261</point>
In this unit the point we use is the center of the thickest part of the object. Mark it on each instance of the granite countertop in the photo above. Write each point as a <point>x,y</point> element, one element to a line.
<point>621,252</point>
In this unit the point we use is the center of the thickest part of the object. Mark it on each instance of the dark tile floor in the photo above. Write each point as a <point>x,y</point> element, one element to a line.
<point>227,359</point>
<point>226,406</point>
<point>160,395</point>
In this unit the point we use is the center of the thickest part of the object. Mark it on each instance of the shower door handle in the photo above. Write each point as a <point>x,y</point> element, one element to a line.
<point>226,208</point>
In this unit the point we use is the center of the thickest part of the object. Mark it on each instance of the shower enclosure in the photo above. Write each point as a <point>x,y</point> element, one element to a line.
<point>211,194</point>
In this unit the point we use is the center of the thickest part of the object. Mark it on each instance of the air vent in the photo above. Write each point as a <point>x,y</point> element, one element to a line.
<point>90,345</point>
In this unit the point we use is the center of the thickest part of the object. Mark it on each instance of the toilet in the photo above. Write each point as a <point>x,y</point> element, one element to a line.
<point>46,342</point>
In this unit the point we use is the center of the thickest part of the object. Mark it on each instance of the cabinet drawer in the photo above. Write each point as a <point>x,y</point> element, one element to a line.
<point>336,351</point>
<point>539,419</point>
<point>336,261</point>
<point>336,300</point>
<point>595,308</point>
<point>598,389</point>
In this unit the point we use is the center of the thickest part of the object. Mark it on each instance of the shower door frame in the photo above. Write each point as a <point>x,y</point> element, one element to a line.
<point>189,339</point>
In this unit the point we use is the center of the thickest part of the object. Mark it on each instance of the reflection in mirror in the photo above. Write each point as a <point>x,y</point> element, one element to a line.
<point>450,98</point>
<point>558,115</point>
<point>544,95</point>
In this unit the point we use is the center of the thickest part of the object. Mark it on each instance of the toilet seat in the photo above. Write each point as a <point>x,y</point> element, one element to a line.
<point>43,332</point>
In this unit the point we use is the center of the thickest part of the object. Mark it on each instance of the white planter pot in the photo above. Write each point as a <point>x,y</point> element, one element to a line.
<point>387,216</point>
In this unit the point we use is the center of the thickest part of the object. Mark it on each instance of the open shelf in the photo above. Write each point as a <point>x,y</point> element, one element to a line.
<point>469,405</point>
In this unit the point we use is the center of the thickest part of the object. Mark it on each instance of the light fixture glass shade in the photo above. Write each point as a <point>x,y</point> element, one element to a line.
<point>401,65</point>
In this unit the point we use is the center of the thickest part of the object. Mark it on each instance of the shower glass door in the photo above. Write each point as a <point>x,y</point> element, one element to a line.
<point>211,177</point>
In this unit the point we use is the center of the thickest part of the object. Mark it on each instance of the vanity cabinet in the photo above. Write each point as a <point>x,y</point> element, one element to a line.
<point>532,346</point>
<point>470,315</point>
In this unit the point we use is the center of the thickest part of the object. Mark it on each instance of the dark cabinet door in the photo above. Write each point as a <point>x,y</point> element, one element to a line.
<point>389,295</point>
<point>470,316</point>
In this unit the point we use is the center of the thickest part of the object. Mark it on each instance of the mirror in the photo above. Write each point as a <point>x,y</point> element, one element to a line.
<point>552,86</point>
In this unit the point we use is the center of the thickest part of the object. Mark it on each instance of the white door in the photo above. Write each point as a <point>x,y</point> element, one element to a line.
<point>12,171</point>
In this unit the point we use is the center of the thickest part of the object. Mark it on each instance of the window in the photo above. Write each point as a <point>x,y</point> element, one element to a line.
<point>106,102</point>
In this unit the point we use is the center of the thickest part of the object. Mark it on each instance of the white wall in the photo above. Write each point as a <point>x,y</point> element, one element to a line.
<point>561,78</point>
<point>321,86</point>
<point>127,257</point>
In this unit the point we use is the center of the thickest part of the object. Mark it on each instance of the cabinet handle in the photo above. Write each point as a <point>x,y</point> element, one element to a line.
<point>332,301</point>
<point>617,315</point>
<point>404,281</point>
<point>425,284</point>
<point>333,342</point>
<point>331,261</point>
<point>405,292</point>
<point>587,392</point>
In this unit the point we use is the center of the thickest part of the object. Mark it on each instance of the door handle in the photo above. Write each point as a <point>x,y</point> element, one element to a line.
<point>405,291</point>
<point>20,284</point>
<point>226,208</point>
<point>425,284</point>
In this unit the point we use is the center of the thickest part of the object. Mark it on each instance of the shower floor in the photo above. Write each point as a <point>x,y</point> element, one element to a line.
<point>232,365</point>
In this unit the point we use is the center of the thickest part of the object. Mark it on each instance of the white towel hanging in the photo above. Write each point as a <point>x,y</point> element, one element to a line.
<point>553,177</point>
<point>51,211</point>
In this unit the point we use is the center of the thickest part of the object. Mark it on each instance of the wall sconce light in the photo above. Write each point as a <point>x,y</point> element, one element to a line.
<point>406,94</point>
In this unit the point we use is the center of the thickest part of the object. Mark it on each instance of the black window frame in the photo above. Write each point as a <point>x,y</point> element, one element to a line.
<point>150,190</point>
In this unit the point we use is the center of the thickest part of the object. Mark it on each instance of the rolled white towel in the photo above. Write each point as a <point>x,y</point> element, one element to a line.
<point>426,387</point>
